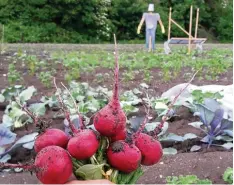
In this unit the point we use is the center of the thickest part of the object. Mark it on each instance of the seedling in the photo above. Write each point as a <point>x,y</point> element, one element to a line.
<point>13,75</point>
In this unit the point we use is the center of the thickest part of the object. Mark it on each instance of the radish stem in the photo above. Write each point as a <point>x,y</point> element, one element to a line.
<point>164,118</point>
<point>116,83</point>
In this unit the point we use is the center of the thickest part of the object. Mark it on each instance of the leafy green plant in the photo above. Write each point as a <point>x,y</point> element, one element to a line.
<point>128,75</point>
<point>43,65</point>
<point>72,64</point>
<point>177,64</point>
<point>46,78</point>
<point>13,75</point>
<point>199,96</point>
<point>160,105</point>
<point>14,116</point>
<point>147,75</point>
<point>170,65</point>
<point>228,175</point>
<point>74,75</point>
<point>10,92</point>
<point>208,77</point>
<point>88,98</point>
<point>32,63</point>
<point>93,99</point>
<point>188,179</point>
<point>217,67</point>
<point>166,71</point>
<point>19,52</point>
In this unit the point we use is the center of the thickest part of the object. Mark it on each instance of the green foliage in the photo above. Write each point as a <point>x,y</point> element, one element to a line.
<point>73,66</point>
<point>223,14</point>
<point>10,92</point>
<point>14,116</point>
<point>15,31</point>
<point>136,65</point>
<point>55,21</point>
<point>129,75</point>
<point>125,16</point>
<point>130,178</point>
<point>189,179</point>
<point>46,78</point>
<point>199,96</point>
<point>147,75</point>
<point>32,61</point>
<point>13,75</point>
<point>94,21</point>
<point>228,175</point>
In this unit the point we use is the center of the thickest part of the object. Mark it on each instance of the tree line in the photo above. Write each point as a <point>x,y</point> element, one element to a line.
<point>94,21</point>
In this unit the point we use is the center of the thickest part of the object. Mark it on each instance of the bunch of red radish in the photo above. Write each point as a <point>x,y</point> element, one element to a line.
<point>53,163</point>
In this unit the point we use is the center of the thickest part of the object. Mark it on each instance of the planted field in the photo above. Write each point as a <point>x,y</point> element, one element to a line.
<point>191,144</point>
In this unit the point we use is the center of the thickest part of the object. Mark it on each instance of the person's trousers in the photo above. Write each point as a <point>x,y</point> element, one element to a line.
<point>150,33</point>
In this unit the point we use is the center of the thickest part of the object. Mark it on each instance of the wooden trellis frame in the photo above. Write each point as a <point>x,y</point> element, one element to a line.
<point>183,40</point>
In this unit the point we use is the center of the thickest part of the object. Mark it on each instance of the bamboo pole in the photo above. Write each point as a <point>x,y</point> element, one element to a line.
<point>190,28</point>
<point>189,34</point>
<point>3,31</point>
<point>169,25</point>
<point>197,17</point>
<point>2,39</point>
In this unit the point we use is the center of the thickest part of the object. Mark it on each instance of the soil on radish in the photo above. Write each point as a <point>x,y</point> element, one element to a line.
<point>110,121</point>
<point>50,163</point>
<point>124,156</point>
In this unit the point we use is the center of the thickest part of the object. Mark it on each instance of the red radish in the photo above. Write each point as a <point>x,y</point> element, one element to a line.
<point>123,156</point>
<point>84,145</point>
<point>47,136</point>
<point>111,119</point>
<point>51,137</point>
<point>84,142</point>
<point>151,149</point>
<point>52,165</point>
<point>120,136</point>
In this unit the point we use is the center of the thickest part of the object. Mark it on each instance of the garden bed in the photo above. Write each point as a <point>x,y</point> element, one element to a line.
<point>207,163</point>
<point>203,164</point>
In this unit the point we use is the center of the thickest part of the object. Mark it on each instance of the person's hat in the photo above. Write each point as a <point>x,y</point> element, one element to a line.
<point>151,8</point>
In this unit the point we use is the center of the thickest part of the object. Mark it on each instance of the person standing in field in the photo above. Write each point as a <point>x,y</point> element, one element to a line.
<point>151,19</point>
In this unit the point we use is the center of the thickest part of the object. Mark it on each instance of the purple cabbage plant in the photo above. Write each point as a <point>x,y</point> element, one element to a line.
<point>211,114</point>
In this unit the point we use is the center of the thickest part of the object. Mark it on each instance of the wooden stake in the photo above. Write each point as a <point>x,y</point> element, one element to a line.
<point>169,25</point>
<point>2,39</point>
<point>189,34</point>
<point>196,23</point>
<point>3,30</point>
<point>190,28</point>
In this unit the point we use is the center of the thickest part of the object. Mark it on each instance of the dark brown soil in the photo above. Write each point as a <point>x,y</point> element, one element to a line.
<point>157,85</point>
<point>210,165</point>
<point>205,164</point>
